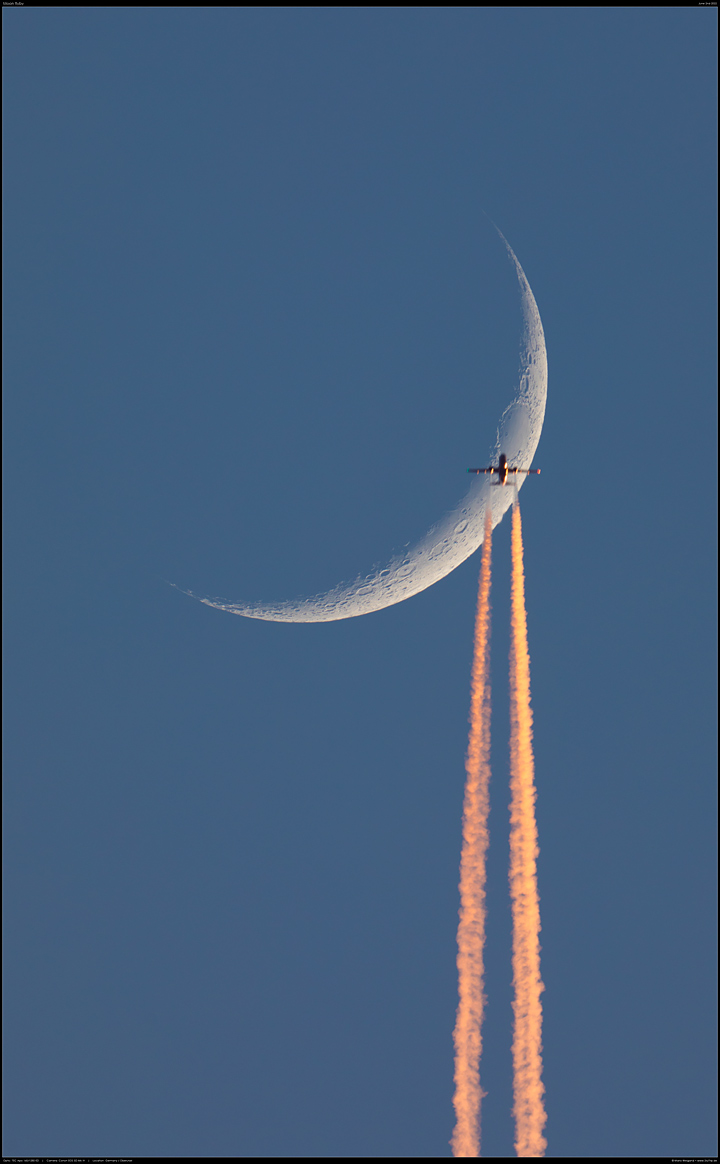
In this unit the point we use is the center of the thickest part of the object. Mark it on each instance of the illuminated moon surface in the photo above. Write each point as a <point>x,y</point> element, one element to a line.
<point>457,535</point>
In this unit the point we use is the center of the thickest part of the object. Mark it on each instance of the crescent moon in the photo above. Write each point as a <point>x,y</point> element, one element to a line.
<point>457,535</point>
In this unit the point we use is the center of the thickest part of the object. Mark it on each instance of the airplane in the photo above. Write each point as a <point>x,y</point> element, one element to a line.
<point>503,470</point>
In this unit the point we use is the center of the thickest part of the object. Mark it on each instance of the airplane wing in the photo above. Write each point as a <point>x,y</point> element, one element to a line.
<point>523,470</point>
<point>483,470</point>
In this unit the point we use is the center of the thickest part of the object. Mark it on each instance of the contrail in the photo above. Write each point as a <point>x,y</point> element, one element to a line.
<point>528,1088</point>
<point>471,929</point>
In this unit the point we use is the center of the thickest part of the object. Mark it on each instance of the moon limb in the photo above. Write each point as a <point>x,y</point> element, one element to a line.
<point>460,532</point>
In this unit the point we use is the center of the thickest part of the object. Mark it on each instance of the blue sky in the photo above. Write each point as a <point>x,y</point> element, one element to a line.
<point>257,326</point>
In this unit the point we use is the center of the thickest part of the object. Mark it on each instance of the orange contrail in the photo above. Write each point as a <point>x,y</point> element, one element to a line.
<point>471,929</point>
<point>528,1088</point>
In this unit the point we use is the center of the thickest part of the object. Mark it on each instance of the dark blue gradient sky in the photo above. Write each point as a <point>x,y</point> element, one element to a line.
<point>257,325</point>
